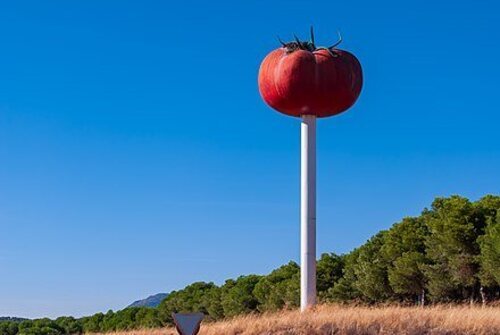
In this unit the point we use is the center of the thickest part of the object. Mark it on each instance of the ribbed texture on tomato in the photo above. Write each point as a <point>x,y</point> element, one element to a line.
<point>313,83</point>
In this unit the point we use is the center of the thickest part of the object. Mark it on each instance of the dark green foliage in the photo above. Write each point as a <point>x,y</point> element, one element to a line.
<point>370,270</point>
<point>406,275</point>
<point>198,297</point>
<point>404,252</point>
<point>147,318</point>
<point>129,318</point>
<point>40,327</point>
<point>409,235</point>
<point>280,289</point>
<point>450,252</point>
<point>69,324</point>
<point>489,244</point>
<point>490,253</point>
<point>238,297</point>
<point>344,289</point>
<point>93,324</point>
<point>8,328</point>
<point>328,272</point>
<point>452,247</point>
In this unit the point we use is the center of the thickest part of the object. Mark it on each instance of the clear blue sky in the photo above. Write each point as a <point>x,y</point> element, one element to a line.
<point>136,155</point>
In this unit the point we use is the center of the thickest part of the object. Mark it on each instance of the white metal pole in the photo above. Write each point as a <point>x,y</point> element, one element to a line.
<point>308,212</point>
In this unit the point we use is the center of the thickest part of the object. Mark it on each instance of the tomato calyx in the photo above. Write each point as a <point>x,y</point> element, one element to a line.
<point>299,45</point>
<point>310,45</point>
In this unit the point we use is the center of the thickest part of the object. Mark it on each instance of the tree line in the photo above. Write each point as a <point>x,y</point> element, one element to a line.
<point>449,253</point>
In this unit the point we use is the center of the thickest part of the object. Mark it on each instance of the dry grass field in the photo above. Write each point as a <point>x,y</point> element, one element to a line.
<point>336,319</point>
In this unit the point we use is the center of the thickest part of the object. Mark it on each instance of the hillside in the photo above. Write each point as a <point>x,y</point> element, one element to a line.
<point>151,301</point>
<point>338,319</point>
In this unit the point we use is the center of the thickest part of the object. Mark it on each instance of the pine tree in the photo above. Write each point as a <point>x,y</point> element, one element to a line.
<point>370,270</point>
<point>489,244</point>
<point>328,272</point>
<point>280,289</point>
<point>237,295</point>
<point>452,248</point>
<point>404,251</point>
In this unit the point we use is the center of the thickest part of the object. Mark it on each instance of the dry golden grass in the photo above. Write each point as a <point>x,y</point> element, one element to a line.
<point>337,319</point>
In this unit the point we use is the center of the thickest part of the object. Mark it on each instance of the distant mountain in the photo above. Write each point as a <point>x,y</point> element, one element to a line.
<point>10,318</point>
<point>151,301</point>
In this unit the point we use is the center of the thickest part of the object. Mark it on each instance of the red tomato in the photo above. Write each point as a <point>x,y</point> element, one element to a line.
<point>299,79</point>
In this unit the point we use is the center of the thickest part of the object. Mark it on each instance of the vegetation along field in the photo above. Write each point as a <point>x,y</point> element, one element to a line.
<point>337,319</point>
<point>443,265</point>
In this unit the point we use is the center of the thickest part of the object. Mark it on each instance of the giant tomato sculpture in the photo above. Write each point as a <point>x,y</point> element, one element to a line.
<point>302,79</point>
